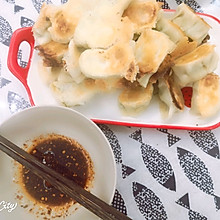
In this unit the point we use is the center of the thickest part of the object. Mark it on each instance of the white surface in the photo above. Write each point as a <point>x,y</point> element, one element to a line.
<point>35,121</point>
<point>106,107</point>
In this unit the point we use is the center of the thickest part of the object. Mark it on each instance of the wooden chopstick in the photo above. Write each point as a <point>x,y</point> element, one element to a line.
<point>70,188</point>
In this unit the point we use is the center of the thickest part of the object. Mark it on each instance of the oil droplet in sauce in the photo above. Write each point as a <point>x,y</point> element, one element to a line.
<point>65,156</point>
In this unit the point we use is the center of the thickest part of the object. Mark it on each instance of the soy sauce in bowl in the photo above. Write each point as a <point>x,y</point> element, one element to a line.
<point>64,155</point>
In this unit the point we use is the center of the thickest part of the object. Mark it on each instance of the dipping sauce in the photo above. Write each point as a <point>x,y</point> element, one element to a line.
<point>64,155</point>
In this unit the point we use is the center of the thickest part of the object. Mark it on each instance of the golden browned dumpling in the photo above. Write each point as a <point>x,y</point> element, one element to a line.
<point>59,22</point>
<point>196,64</point>
<point>150,50</point>
<point>71,62</point>
<point>103,27</point>
<point>143,14</point>
<point>137,98</point>
<point>206,96</point>
<point>62,26</point>
<point>171,29</point>
<point>191,23</point>
<point>117,61</point>
<point>70,93</point>
<point>170,94</point>
<point>183,47</point>
<point>175,91</point>
<point>168,107</point>
<point>40,28</point>
<point>52,53</point>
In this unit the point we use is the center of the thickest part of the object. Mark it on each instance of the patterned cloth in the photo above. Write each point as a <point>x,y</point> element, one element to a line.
<point>161,174</point>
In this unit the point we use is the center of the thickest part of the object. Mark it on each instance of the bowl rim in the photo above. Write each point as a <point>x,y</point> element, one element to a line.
<point>90,122</point>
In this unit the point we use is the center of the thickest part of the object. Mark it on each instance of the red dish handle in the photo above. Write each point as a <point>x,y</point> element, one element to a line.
<point>20,35</point>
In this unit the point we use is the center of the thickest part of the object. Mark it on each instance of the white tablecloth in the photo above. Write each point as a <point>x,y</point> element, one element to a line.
<point>161,174</point>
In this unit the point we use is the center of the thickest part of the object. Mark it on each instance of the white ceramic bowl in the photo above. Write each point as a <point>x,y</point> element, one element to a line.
<point>35,121</point>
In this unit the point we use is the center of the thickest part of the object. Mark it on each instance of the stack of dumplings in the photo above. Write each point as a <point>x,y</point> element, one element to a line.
<point>97,46</point>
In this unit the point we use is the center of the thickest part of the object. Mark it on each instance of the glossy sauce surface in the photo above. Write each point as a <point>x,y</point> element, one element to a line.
<point>64,155</point>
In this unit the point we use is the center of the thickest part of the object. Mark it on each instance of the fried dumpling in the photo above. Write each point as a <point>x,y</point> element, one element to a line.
<point>94,32</point>
<point>70,93</point>
<point>52,53</point>
<point>59,22</point>
<point>67,18</point>
<point>167,106</point>
<point>71,60</point>
<point>117,61</point>
<point>183,47</point>
<point>101,28</point>
<point>206,96</point>
<point>196,64</point>
<point>170,95</point>
<point>150,50</point>
<point>40,28</point>
<point>56,23</point>
<point>175,91</point>
<point>135,99</point>
<point>143,14</point>
<point>109,84</point>
<point>169,28</point>
<point>191,23</point>
<point>63,27</point>
<point>125,31</point>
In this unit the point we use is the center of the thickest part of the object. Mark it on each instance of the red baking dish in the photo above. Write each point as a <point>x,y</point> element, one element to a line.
<point>104,107</point>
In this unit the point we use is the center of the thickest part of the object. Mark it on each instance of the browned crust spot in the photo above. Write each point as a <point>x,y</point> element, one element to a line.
<point>52,53</point>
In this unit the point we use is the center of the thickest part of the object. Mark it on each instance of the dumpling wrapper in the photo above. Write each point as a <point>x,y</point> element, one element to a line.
<point>136,99</point>
<point>150,50</point>
<point>191,23</point>
<point>40,28</point>
<point>71,60</point>
<point>117,61</point>
<point>67,18</point>
<point>168,106</point>
<point>52,53</point>
<point>143,14</point>
<point>175,91</point>
<point>59,22</point>
<point>169,28</point>
<point>72,94</point>
<point>103,26</point>
<point>183,47</point>
<point>206,96</point>
<point>196,64</point>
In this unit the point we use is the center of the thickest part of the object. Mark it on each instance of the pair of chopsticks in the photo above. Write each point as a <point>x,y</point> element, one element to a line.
<point>68,187</point>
